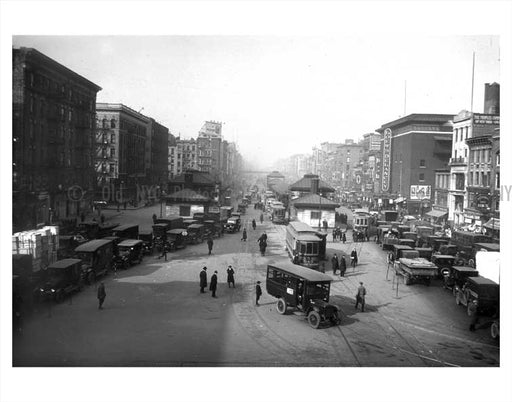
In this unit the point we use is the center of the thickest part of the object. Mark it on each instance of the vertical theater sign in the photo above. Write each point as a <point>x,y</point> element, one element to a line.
<point>386,159</point>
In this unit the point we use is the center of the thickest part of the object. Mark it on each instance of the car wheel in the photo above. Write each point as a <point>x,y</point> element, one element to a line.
<point>445,272</point>
<point>314,319</point>
<point>281,306</point>
<point>495,330</point>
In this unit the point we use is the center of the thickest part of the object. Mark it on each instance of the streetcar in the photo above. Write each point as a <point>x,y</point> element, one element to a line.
<point>277,213</point>
<point>303,244</point>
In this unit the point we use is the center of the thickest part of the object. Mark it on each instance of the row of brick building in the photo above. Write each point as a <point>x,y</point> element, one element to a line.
<point>69,150</point>
<point>442,166</point>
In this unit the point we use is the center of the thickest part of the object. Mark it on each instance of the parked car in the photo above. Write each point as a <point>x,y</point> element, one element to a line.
<point>176,238</point>
<point>233,225</point>
<point>483,290</point>
<point>458,277</point>
<point>128,231</point>
<point>444,263</point>
<point>302,289</point>
<point>130,252</point>
<point>407,242</point>
<point>96,256</point>
<point>147,241</point>
<point>195,233</point>
<point>62,278</point>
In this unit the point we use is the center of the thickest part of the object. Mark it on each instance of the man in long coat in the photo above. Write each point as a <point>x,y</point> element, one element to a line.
<point>203,282</point>
<point>210,245</point>
<point>213,284</point>
<point>343,265</point>
<point>334,263</point>
<point>353,258</point>
<point>231,276</point>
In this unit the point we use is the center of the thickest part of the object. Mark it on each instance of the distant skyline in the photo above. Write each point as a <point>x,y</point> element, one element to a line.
<point>280,95</point>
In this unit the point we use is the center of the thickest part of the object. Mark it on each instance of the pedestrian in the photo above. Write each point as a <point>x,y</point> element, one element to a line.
<point>473,313</point>
<point>154,218</point>
<point>231,276</point>
<point>344,237</point>
<point>210,245</point>
<point>333,235</point>
<point>244,235</point>
<point>164,251</point>
<point>343,265</point>
<point>353,258</point>
<point>258,293</point>
<point>254,224</point>
<point>203,279</point>
<point>261,217</point>
<point>367,234</point>
<point>102,219</point>
<point>263,247</point>
<point>360,296</point>
<point>213,284</point>
<point>334,263</point>
<point>101,295</point>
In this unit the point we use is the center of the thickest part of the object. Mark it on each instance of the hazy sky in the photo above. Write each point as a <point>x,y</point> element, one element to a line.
<point>280,95</point>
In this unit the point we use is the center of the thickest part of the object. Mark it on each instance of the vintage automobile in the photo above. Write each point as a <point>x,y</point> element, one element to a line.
<point>457,277</point>
<point>448,249</point>
<point>302,289</point>
<point>62,278</point>
<point>212,228</point>
<point>195,233</point>
<point>176,238</point>
<point>128,231</point>
<point>188,222</point>
<point>96,256</point>
<point>398,251</point>
<point>485,291</point>
<point>424,252</point>
<point>241,208</point>
<point>147,241</point>
<point>435,242</point>
<point>199,216</point>
<point>94,230</point>
<point>415,270</point>
<point>407,242</point>
<point>444,263</point>
<point>410,236</point>
<point>233,225</point>
<point>67,245</point>
<point>130,252</point>
<point>172,221</point>
<point>388,240</point>
<point>159,235</point>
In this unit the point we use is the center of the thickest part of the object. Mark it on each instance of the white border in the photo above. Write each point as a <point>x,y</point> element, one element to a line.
<point>244,18</point>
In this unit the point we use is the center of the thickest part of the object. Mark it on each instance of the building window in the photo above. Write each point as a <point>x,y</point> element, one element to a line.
<point>465,153</point>
<point>422,177</point>
<point>112,168</point>
<point>112,123</point>
<point>476,179</point>
<point>104,123</point>
<point>497,185</point>
<point>497,159</point>
<point>455,154</point>
<point>112,152</point>
<point>456,134</point>
<point>184,210</point>
<point>422,163</point>
<point>112,138</point>
<point>467,132</point>
<point>315,214</point>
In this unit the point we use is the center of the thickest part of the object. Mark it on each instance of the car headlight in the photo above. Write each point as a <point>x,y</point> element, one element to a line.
<point>41,289</point>
<point>53,290</point>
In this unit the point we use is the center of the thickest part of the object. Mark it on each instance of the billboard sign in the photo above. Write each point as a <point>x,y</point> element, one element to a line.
<point>420,192</point>
<point>386,159</point>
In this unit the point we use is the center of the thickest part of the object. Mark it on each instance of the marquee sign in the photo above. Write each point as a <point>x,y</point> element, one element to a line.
<point>386,159</point>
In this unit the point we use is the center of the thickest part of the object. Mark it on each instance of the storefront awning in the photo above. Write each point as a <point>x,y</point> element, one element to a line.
<point>436,213</point>
<point>493,224</point>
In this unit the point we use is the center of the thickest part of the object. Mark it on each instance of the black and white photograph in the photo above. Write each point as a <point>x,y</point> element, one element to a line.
<point>232,201</point>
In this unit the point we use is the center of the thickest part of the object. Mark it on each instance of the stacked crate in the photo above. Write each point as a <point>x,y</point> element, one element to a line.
<point>42,244</point>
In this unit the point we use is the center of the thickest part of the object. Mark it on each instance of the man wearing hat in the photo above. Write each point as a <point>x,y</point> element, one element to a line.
<point>203,280</point>
<point>361,293</point>
<point>213,284</point>
<point>258,292</point>
<point>231,276</point>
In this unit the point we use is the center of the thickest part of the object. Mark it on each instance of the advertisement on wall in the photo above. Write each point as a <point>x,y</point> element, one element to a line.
<point>419,192</point>
<point>386,159</point>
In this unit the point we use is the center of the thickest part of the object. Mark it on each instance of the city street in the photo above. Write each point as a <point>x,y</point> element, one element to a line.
<point>154,315</point>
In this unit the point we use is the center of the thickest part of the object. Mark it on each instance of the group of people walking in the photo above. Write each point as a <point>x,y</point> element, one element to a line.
<point>338,234</point>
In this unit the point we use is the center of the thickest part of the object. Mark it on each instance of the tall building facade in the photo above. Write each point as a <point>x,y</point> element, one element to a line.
<point>53,137</point>
<point>469,170</point>
<point>131,151</point>
<point>210,150</point>
<point>183,156</point>
<point>412,148</point>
